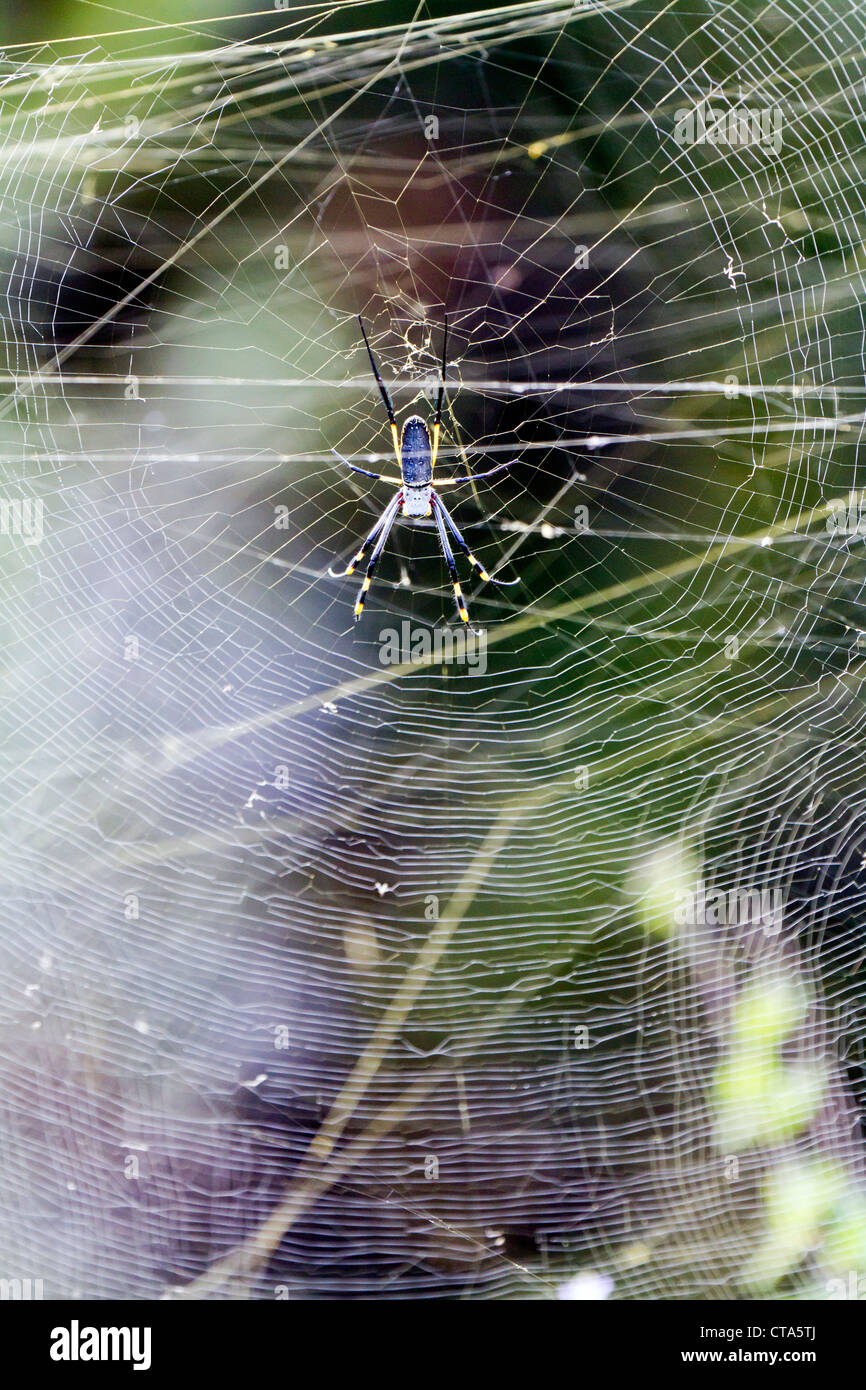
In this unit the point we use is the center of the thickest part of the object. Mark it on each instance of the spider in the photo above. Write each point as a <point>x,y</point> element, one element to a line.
<point>416,452</point>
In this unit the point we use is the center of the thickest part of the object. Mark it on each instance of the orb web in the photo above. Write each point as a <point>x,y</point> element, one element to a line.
<point>339,960</point>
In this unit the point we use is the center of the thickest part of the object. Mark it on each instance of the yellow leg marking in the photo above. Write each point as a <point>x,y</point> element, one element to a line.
<point>437,429</point>
<point>480,568</point>
<point>396,438</point>
<point>357,560</point>
<point>461,606</point>
<point>359,606</point>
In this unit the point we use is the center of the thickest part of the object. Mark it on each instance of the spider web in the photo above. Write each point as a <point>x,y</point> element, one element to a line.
<point>325,975</point>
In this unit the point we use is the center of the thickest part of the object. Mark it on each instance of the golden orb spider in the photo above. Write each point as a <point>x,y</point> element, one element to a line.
<point>416,451</point>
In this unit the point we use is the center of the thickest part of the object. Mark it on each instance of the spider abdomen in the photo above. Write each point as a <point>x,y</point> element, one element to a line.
<point>416,458</point>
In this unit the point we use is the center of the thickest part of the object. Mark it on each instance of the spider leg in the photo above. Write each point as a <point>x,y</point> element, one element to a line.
<point>386,522</point>
<point>343,574</point>
<point>385,477</point>
<point>474,477</point>
<point>437,418</point>
<point>354,467</point>
<point>439,505</point>
<point>452,567</point>
<point>383,391</point>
